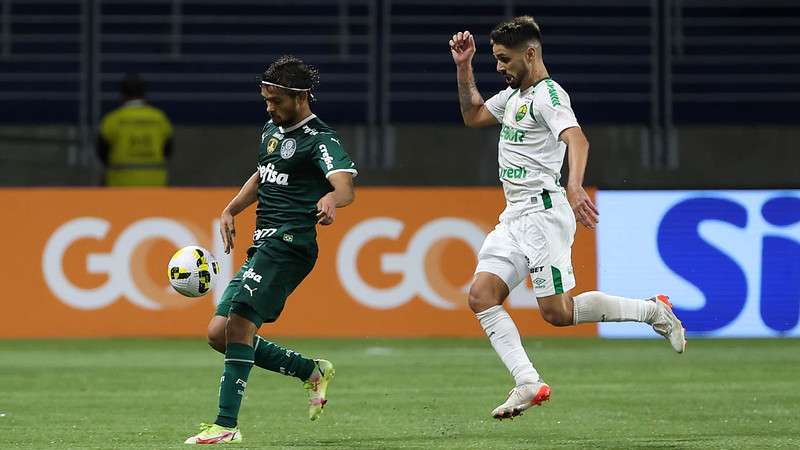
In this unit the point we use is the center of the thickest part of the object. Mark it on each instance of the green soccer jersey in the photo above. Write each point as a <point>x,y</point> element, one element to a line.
<point>293,166</point>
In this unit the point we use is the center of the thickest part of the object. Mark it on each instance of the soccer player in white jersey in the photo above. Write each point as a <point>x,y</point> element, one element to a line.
<point>535,231</point>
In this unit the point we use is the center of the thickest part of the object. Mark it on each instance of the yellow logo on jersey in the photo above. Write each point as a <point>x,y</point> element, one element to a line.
<point>272,145</point>
<point>521,112</point>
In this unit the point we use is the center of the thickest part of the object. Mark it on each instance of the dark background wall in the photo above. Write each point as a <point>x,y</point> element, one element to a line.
<point>672,93</point>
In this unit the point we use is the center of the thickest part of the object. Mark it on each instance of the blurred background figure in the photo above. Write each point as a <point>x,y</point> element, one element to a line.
<point>135,140</point>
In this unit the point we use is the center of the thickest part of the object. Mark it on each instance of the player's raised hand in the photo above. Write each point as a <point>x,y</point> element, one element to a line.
<point>227,230</point>
<point>462,47</point>
<point>585,211</point>
<point>326,210</point>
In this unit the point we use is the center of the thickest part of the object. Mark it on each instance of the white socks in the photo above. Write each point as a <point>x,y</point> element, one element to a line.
<point>504,337</point>
<point>588,307</point>
<point>595,306</point>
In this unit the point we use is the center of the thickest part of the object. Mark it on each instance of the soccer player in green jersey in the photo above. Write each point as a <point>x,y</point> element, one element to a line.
<point>303,176</point>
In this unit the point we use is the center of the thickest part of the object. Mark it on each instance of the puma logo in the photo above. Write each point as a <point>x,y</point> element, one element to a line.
<point>250,289</point>
<point>336,140</point>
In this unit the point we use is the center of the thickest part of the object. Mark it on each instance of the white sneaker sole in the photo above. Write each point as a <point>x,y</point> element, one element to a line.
<point>677,338</point>
<point>542,395</point>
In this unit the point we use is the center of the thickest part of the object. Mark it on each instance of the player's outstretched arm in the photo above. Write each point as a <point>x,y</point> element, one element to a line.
<point>475,114</point>
<point>342,195</point>
<point>578,146</point>
<point>246,197</point>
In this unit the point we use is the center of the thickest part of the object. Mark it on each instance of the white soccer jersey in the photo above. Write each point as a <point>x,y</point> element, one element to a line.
<point>530,155</point>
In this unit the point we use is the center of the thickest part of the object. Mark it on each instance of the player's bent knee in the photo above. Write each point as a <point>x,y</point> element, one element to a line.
<point>216,333</point>
<point>216,339</point>
<point>486,291</point>
<point>556,316</point>
<point>481,299</point>
<point>475,304</point>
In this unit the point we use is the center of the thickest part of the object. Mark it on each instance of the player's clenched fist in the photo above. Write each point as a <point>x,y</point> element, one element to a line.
<point>462,47</point>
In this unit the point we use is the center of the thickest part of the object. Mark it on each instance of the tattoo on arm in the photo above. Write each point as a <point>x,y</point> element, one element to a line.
<point>468,96</point>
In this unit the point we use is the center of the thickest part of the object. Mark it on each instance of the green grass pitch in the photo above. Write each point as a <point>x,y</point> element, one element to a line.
<point>417,393</point>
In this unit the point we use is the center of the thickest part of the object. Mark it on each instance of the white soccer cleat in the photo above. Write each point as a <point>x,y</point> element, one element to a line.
<point>521,398</point>
<point>667,323</point>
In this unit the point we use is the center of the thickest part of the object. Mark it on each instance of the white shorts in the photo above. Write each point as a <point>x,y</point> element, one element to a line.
<point>539,244</point>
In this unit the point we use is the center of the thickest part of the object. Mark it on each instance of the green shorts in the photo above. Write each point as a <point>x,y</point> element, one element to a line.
<point>271,272</point>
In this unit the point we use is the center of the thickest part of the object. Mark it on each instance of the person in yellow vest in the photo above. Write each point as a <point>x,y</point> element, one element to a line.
<point>135,140</point>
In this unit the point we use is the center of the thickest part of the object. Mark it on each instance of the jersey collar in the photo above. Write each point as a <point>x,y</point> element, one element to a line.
<point>532,87</point>
<point>297,125</point>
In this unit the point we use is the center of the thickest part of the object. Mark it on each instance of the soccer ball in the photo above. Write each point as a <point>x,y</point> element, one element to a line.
<point>193,271</point>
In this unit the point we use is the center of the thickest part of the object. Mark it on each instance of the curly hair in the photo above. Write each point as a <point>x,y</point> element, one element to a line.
<point>292,72</point>
<point>516,32</point>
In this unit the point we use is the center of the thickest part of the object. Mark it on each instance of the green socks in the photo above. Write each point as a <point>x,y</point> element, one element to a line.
<point>238,362</point>
<point>239,359</point>
<point>278,359</point>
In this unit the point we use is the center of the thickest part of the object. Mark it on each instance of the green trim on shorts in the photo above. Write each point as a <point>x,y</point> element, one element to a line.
<point>557,285</point>
<point>546,200</point>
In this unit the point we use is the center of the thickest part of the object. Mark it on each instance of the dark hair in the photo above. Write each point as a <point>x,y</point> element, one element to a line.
<point>292,72</point>
<point>133,86</point>
<point>516,32</point>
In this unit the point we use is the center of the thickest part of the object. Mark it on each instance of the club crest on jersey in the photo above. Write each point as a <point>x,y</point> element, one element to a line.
<point>272,145</point>
<point>288,148</point>
<point>521,112</point>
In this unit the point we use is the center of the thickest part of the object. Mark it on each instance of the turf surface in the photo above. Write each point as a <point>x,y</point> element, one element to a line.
<point>420,393</point>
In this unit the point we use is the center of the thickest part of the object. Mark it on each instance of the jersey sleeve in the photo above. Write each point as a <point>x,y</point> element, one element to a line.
<point>330,157</point>
<point>496,105</point>
<point>553,106</point>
